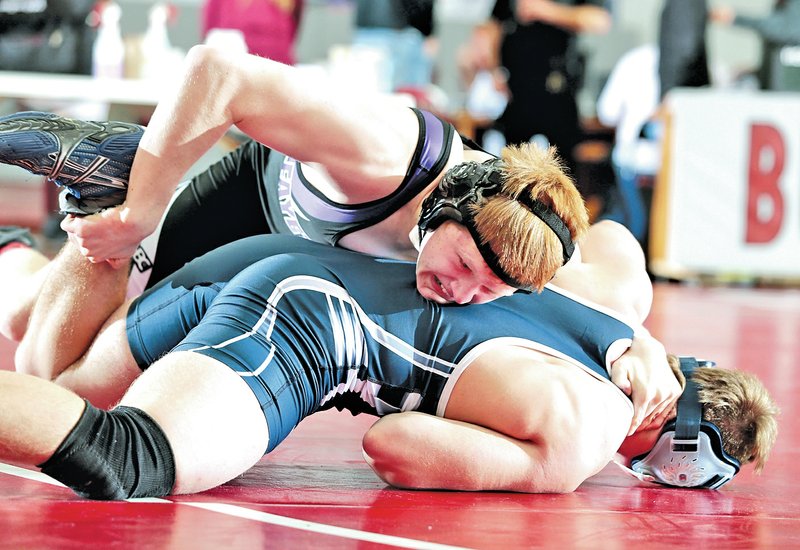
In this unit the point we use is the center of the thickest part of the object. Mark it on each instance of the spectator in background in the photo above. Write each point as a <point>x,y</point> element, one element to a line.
<point>779,31</point>
<point>269,27</point>
<point>683,60</point>
<point>631,101</point>
<point>532,43</point>
<point>628,102</point>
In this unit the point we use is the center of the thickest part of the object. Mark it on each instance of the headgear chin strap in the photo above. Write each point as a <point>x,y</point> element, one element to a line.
<point>469,183</point>
<point>689,450</point>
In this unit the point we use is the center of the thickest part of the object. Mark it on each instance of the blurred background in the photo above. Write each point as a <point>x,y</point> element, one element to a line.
<point>678,118</point>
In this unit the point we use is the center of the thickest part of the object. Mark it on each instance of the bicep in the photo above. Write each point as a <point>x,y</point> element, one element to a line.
<point>315,119</point>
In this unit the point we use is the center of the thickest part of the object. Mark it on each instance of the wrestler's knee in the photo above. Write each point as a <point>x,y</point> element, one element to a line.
<point>114,455</point>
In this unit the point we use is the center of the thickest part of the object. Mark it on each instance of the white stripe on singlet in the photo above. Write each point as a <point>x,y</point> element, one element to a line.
<point>266,322</point>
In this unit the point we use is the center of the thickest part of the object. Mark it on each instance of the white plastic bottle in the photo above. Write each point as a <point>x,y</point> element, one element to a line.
<point>108,53</point>
<point>156,47</point>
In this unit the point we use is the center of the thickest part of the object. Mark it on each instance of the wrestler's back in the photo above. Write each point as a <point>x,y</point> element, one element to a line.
<point>349,319</point>
<point>401,339</point>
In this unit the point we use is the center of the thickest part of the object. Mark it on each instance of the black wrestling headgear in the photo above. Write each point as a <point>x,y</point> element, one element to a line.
<point>468,183</point>
<point>689,452</point>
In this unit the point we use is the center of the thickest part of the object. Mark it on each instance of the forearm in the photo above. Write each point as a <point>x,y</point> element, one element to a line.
<point>578,19</point>
<point>63,322</point>
<point>778,28</point>
<point>418,451</point>
<point>185,125</point>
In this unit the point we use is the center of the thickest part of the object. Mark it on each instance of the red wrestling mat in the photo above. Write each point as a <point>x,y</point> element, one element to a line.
<point>315,490</point>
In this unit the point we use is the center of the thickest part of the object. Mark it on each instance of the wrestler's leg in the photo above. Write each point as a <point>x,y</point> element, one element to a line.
<point>212,419</point>
<point>145,329</point>
<point>22,272</point>
<point>104,373</point>
<point>131,440</point>
<point>199,415</point>
<point>76,299</point>
<point>36,417</point>
<point>138,332</point>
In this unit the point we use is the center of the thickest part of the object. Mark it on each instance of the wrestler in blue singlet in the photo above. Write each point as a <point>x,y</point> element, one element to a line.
<point>254,190</point>
<point>311,327</point>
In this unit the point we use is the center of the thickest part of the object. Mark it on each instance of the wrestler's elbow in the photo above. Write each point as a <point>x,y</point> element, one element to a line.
<point>546,477</point>
<point>214,75</point>
<point>558,465</point>
<point>392,473</point>
<point>382,454</point>
<point>200,59</point>
<point>204,59</point>
<point>403,472</point>
<point>400,451</point>
<point>551,482</point>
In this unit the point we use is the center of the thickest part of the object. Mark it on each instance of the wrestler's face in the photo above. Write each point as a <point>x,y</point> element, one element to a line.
<point>451,269</point>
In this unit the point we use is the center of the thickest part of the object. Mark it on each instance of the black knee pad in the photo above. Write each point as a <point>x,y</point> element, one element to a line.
<point>113,456</point>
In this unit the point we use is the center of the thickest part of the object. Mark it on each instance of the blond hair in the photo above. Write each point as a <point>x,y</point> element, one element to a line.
<point>527,249</point>
<point>740,406</point>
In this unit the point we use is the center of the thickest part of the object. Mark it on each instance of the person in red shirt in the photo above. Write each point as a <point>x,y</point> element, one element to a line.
<point>269,27</point>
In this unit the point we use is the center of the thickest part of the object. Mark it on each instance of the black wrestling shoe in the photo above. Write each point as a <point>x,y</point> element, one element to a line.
<point>91,160</point>
<point>12,234</point>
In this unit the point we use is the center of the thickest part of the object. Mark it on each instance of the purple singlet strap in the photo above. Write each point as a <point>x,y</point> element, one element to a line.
<point>431,155</point>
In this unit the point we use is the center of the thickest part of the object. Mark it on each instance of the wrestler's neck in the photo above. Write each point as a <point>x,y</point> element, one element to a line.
<point>398,235</point>
<point>386,240</point>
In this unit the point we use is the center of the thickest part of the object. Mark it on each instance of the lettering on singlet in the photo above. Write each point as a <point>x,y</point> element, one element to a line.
<point>297,207</point>
<point>141,261</point>
<point>288,210</point>
<point>349,329</point>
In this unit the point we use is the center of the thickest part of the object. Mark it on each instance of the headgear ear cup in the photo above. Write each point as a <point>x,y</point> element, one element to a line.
<point>689,451</point>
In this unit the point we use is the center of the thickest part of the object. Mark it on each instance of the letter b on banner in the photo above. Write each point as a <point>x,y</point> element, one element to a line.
<point>764,198</point>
